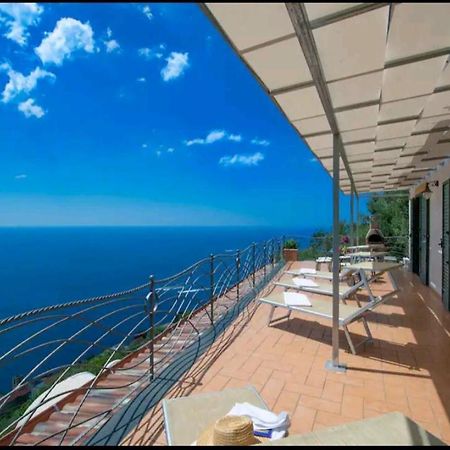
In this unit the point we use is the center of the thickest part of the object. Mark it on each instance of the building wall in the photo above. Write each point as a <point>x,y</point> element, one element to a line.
<point>435,266</point>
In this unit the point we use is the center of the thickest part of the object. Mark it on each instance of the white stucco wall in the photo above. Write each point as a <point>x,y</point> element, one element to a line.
<point>435,268</point>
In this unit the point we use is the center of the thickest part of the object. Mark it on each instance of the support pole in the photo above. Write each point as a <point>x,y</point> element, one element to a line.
<point>352,217</point>
<point>357,219</point>
<point>333,364</point>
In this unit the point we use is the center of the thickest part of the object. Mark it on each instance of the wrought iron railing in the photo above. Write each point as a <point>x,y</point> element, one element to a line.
<point>312,247</point>
<point>121,343</point>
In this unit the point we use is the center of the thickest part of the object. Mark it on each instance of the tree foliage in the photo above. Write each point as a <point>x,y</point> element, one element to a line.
<point>391,215</point>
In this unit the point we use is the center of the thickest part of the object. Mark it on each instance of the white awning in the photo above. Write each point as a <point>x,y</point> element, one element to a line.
<point>386,70</point>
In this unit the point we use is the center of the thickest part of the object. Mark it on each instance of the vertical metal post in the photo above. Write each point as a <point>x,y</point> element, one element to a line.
<point>272,256</point>
<point>211,280</point>
<point>152,326</point>
<point>410,228</point>
<point>254,264</point>
<point>238,273</point>
<point>265,260</point>
<point>333,365</point>
<point>352,221</point>
<point>357,219</point>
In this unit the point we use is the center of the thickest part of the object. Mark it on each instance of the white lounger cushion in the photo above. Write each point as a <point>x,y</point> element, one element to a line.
<point>322,286</point>
<point>304,282</point>
<point>296,299</point>
<point>306,270</point>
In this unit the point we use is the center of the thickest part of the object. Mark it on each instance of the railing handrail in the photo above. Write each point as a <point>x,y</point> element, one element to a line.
<point>100,298</point>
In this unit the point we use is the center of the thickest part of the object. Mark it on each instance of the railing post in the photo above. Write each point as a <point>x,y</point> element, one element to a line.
<point>211,279</point>
<point>265,260</point>
<point>238,273</point>
<point>272,257</point>
<point>152,326</point>
<point>283,241</point>
<point>254,264</point>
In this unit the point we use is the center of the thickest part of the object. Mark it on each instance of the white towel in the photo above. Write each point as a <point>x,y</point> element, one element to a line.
<point>263,419</point>
<point>306,271</point>
<point>304,282</point>
<point>295,299</point>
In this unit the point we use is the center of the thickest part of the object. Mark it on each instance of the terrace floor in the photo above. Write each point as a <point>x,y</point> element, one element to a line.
<point>406,369</point>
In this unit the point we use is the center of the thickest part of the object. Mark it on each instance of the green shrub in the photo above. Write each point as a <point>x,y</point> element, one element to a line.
<point>290,243</point>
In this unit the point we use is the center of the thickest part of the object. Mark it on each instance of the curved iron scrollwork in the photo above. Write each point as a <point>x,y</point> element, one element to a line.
<point>74,365</point>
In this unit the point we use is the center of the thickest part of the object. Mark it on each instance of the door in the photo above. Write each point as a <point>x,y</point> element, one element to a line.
<point>445,243</point>
<point>424,237</point>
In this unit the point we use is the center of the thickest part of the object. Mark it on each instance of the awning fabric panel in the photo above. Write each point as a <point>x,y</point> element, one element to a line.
<point>387,72</point>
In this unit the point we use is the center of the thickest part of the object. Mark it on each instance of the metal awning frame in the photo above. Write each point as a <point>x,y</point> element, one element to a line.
<point>303,30</point>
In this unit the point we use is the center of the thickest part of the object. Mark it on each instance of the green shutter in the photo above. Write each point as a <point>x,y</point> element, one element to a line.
<point>423,239</point>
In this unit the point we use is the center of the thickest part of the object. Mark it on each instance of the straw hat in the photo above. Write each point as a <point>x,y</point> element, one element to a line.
<point>230,430</point>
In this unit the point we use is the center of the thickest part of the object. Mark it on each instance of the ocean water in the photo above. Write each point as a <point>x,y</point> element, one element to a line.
<point>45,266</point>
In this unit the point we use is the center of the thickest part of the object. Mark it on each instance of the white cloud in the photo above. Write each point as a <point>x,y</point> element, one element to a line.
<point>21,176</point>
<point>194,141</point>
<point>29,108</point>
<point>144,145</point>
<point>111,45</point>
<point>262,142</point>
<point>145,52</point>
<point>142,79</point>
<point>235,137</point>
<point>213,136</point>
<point>69,35</point>
<point>158,152</point>
<point>170,150</point>
<point>148,12</point>
<point>19,16</point>
<point>176,65</point>
<point>313,160</point>
<point>19,83</point>
<point>148,53</point>
<point>241,160</point>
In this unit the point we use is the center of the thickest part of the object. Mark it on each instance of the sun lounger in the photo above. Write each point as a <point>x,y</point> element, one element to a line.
<point>329,261</point>
<point>383,430</point>
<point>303,272</point>
<point>323,260</point>
<point>186,417</point>
<point>324,309</point>
<point>324,287</point>
<point>376,268</point>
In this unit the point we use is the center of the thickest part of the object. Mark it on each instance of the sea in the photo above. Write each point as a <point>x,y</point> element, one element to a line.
<point>46,266</point>
<point>49,266</point>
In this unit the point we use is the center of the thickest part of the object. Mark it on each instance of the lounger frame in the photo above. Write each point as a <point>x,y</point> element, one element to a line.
<point>320,290</point>
<point>343,323</point>
<point>358,315</point>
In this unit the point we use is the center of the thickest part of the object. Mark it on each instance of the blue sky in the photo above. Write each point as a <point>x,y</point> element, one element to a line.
<point>141,114</point>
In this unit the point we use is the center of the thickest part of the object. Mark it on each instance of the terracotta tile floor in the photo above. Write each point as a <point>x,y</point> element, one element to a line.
<point>406,369</point>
